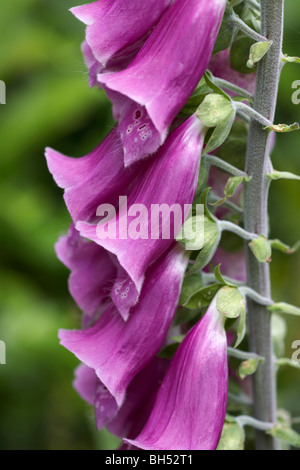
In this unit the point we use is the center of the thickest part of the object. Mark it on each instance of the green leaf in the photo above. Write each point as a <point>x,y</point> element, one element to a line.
<point>230,302</point>
<point>279,245</point>
<point>203,200</point>
<point>232,438</point>
<point>190,286</point>
<point>282,307</point>
<point>230,188</point>
<point>214,109</point>
<point>220,133</point>
<point>212,237</point>
<point>241,331</point>
<point>196,99</point>
<point>203,297</point>
<point>286,434</point>
<point>257,52</point>
<point>278,175</point>
<point>283,127</point>
<point>261,248</point>
<point>248,367</point>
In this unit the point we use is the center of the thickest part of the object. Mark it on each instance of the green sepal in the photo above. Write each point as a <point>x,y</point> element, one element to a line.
<point>261,248</point>
<point>203,297</point>
<point>225,34</point>
<point>289,59</point>
<point>278,175</point>
<point>257,52</point>
<point>233,151</point>
<point>239,54</point>
<point>190,286</point>
<point>283,127</point>
<point>286,434</point>
<point>282,307</point>
<point>230,302</point>
<point>212,237</point>
<point>248,367</point>
<point>209,80</point>
<point>280,246</point>
<point>220,133</point>
<point>219,277</point>
<point>233,436</point>
<point>232,184</point>
<point>215,109</point>
<point>241,330</point>
<point>192,233</point>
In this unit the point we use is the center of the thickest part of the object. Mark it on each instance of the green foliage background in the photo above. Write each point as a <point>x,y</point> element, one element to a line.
<point>49,103</point>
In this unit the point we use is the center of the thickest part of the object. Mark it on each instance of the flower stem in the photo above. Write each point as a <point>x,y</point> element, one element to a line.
<point>256,218</point>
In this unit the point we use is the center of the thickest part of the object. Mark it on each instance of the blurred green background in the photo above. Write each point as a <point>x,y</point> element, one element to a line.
<point>49,103</point>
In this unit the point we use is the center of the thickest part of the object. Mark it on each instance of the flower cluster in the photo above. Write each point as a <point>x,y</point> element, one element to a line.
<point>149,57</point>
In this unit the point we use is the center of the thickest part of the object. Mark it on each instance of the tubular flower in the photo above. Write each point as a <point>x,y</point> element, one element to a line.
<point>97,178</point>
<point>92,271</point>
<point>169,181</point>
<point>119,350</point>
<point>164,74</point>
<point>141,393</point>
<point>190,406</point>
<point>116,30</point>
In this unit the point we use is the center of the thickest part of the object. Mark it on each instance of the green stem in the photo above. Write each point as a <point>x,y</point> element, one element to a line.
<point>236,21</point>
<point>219,163</point>
<point>256,218</point>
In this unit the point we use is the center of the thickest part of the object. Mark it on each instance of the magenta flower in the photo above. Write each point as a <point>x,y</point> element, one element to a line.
<point>116,30</point>
<point>190,406</point>
<point>119,350</point>
<point>98,178</point>
<point>92,272</point>
<point>170,179</point>
<point>159,81</point>
<point>140,396</point>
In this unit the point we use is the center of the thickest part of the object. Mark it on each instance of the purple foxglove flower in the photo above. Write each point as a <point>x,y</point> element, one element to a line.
<point>119,350</point>
<point>95,179</point>
<point>190,406</point>
<point>141,393</point>
<point>92,271</point>
<point>159,81</point>
<point>117,30</point>
<point>91,63</point>
<point>170,179</point>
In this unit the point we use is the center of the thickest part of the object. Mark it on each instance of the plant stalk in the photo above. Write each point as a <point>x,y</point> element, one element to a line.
<point>256,218</point>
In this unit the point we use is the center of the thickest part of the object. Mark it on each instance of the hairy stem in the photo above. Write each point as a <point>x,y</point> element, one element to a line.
<point>256,218</point>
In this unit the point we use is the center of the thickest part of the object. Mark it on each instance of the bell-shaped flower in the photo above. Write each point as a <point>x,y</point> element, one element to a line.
<point>119,350</point>
<point>98,178</point>
<point>152,216</point>
<point>165,72</point>
<point>190,406</point>
<point>116,30</point>
<point>130,419</point>
<point>92,271</point>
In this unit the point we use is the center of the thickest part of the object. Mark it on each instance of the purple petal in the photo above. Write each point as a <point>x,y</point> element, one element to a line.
<point>85,383</point>
<point>166,70</point>
<point>119,350</point>
<point>95,179</point>
<point>115,29</point>
<point>171,178</point>
<point>190,407</point>
<point>92,271</point>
